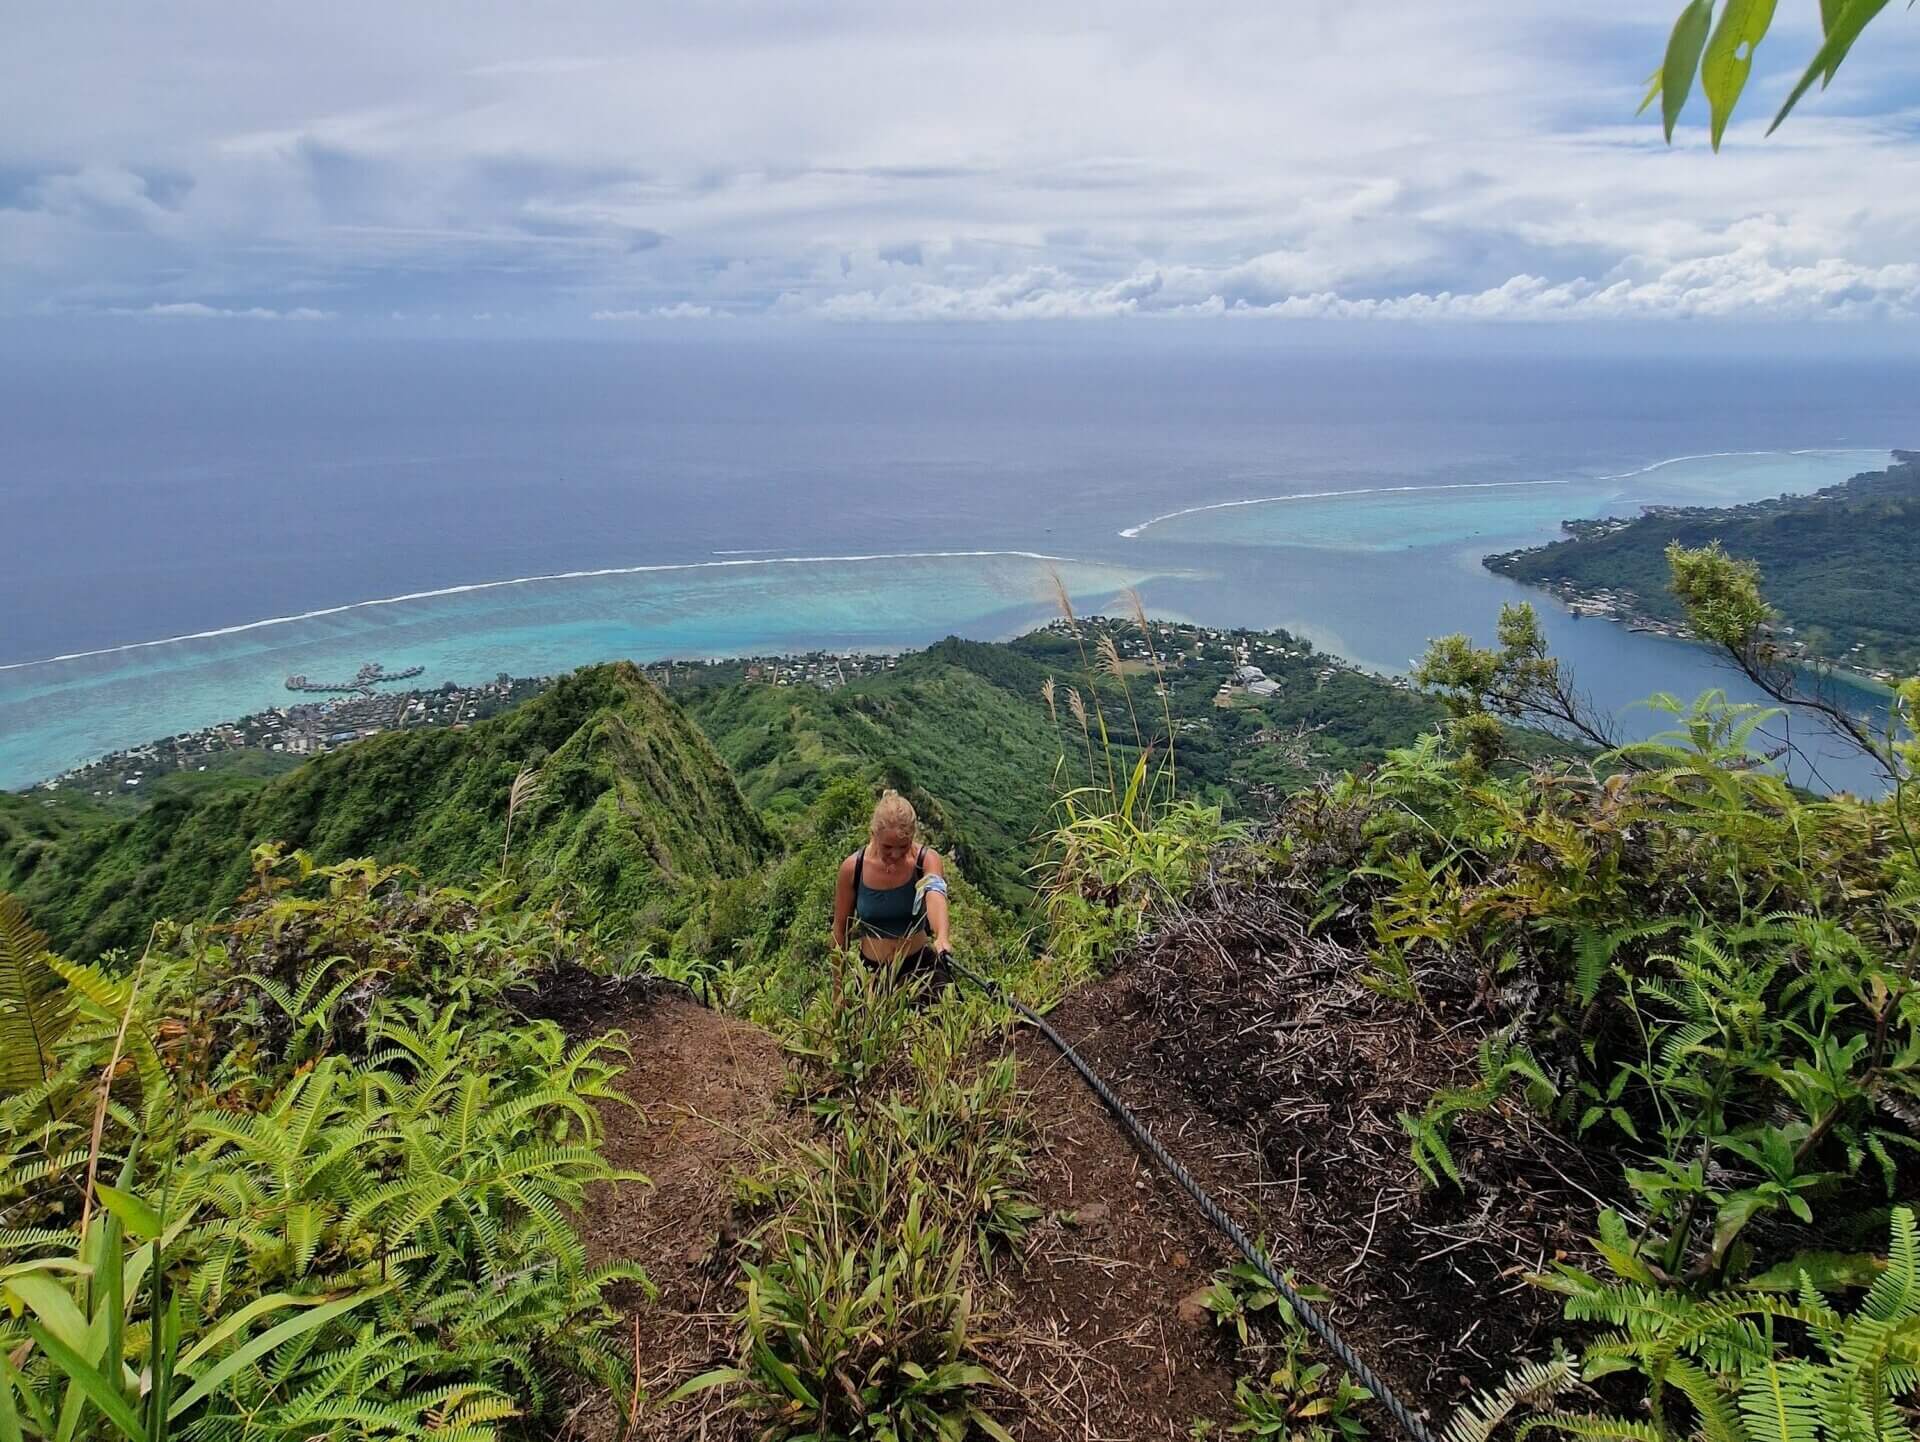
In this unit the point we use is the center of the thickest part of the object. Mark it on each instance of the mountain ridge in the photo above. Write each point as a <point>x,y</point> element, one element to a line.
<point>634,805</point>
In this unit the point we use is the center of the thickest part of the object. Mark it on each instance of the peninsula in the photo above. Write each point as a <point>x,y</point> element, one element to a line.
<point>1842,566</point>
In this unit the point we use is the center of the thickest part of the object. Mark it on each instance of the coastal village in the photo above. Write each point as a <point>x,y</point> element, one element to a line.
<point>356,710</point>
<point>825,670</point>
<point>1622,606</point>
<point>1584,595</point>
<point>295,732</point>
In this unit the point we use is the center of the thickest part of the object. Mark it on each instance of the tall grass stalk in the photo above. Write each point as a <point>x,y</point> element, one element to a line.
<point>1110,662</point>
<point>1160,681</point>
<point>1079,709</point>
<point>524,791</point>
<point>1065,602</point>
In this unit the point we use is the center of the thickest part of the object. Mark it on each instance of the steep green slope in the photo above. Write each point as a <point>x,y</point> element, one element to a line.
<point>963,729</point>
<point>1842,565</point>
<point>1324,717</point>
<point>635,809</point>
<point>975,755</point>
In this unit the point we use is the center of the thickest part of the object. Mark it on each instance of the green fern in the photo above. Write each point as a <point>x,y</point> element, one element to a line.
<point>1595,948</point>
<point>1429,1146</point>
<point>1530,1386</point>
<point>1895,1294</point>
<point>1754,1366</point>
<point>1502,1062</point>
<point>36,1007</point>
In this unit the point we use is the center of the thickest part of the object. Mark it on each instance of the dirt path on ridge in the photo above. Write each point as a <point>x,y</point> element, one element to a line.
<point>705,1089</point>
<point>1093,1321</point>
<point>1104,1333</point>
<point>1084,1322</point>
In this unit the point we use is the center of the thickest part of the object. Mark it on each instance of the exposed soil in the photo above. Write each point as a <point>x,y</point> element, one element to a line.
<point>705,1090</point>
<point>1103,1332</point>
<point>1258,1057</point>
<point>1274,1034</point>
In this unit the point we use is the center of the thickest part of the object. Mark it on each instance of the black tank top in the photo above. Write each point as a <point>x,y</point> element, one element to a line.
<point>894,911</point>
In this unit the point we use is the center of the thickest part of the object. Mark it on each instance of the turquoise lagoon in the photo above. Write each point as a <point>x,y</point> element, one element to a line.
<point>1399,517</point>
<point>1369,571</point>
<point>61,712</point>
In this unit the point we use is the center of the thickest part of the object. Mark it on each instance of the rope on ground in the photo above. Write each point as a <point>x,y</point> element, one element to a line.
<point>1214,1213</point>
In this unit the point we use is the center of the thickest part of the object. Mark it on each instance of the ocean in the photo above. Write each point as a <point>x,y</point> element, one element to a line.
<point>193,516</point>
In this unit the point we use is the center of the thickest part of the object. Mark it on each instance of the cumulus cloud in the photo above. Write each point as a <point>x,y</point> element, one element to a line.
<point>679,310</point>
<point>1038,294</point>
<point>1736,286</point>
<point>199,310</point>
<point>1743,284</point>
<point>860,162</point>
<point>1726,275</point>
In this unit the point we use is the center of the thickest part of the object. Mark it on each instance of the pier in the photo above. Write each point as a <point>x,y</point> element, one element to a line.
<point>365,679</point>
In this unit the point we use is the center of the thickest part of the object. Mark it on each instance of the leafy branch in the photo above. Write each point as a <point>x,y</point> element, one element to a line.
<point>1722,55</point>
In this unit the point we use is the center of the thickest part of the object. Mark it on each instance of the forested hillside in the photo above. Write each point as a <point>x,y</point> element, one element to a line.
<point>1842,565</point>
<point>634,813</point>
<point>1583,1092</point>
<point>972,746</point>
<point>965,728</point>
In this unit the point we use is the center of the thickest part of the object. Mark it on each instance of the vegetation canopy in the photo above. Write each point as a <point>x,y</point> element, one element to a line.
<point>1637,1021</point>
<point>1720,52</point>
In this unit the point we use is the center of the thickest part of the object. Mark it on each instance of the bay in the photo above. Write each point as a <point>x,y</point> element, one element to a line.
<point>186,487</point>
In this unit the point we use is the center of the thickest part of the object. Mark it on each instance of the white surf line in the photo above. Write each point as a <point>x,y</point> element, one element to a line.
<point>1133,531</point>
<point>1725,455</point>
<point>528,581</point>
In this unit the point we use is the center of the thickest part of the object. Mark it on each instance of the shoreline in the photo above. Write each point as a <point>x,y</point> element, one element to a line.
<point>1605,604</point>
<point>58,717</point>
<point>302,730</point>
<point>1608,595</point>
<point>470,587</point>
<point>56,707</point>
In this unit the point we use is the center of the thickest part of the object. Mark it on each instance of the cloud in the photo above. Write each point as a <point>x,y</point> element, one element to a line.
<point>1038,294</point>
<point>860,162</point>
<point>99,195</point>
<point>1736,286</point>
<point>197,310</point>
<point>679,310</point>
<point>1745,283</point>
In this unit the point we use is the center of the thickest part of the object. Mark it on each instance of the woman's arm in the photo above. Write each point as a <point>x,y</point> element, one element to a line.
<point>842,905</point>
<point>936,896</point>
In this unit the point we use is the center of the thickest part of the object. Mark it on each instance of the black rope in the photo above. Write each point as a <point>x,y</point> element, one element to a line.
<point>1214,1213</point>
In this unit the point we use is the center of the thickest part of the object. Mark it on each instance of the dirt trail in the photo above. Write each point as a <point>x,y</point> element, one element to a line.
<point>1106,1337</point>
<point>1085,1319</point>
<point>1095,1320</point>
<point>705,1090</point>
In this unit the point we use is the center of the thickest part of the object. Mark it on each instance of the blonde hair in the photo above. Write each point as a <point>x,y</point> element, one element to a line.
<point>893,815</point>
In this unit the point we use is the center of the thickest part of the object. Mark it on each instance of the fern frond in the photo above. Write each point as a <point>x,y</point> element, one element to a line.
<point>36,1007</point>
<point>1779,1404</point>
<point>1591,1428</point>
<point>1531,1386</point>
<point>1895,1293</point>
<point>1719,1421</point>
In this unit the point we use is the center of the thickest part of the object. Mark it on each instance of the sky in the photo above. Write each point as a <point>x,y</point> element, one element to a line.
<point>606,166</point>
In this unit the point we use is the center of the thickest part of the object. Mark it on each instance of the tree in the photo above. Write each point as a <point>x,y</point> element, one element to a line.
<point>1722,54</point>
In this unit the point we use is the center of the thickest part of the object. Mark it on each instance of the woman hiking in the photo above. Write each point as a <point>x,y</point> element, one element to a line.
<point>892,896</point>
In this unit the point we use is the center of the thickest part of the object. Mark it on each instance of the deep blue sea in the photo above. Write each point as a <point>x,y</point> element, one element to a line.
<point>190,517</point>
